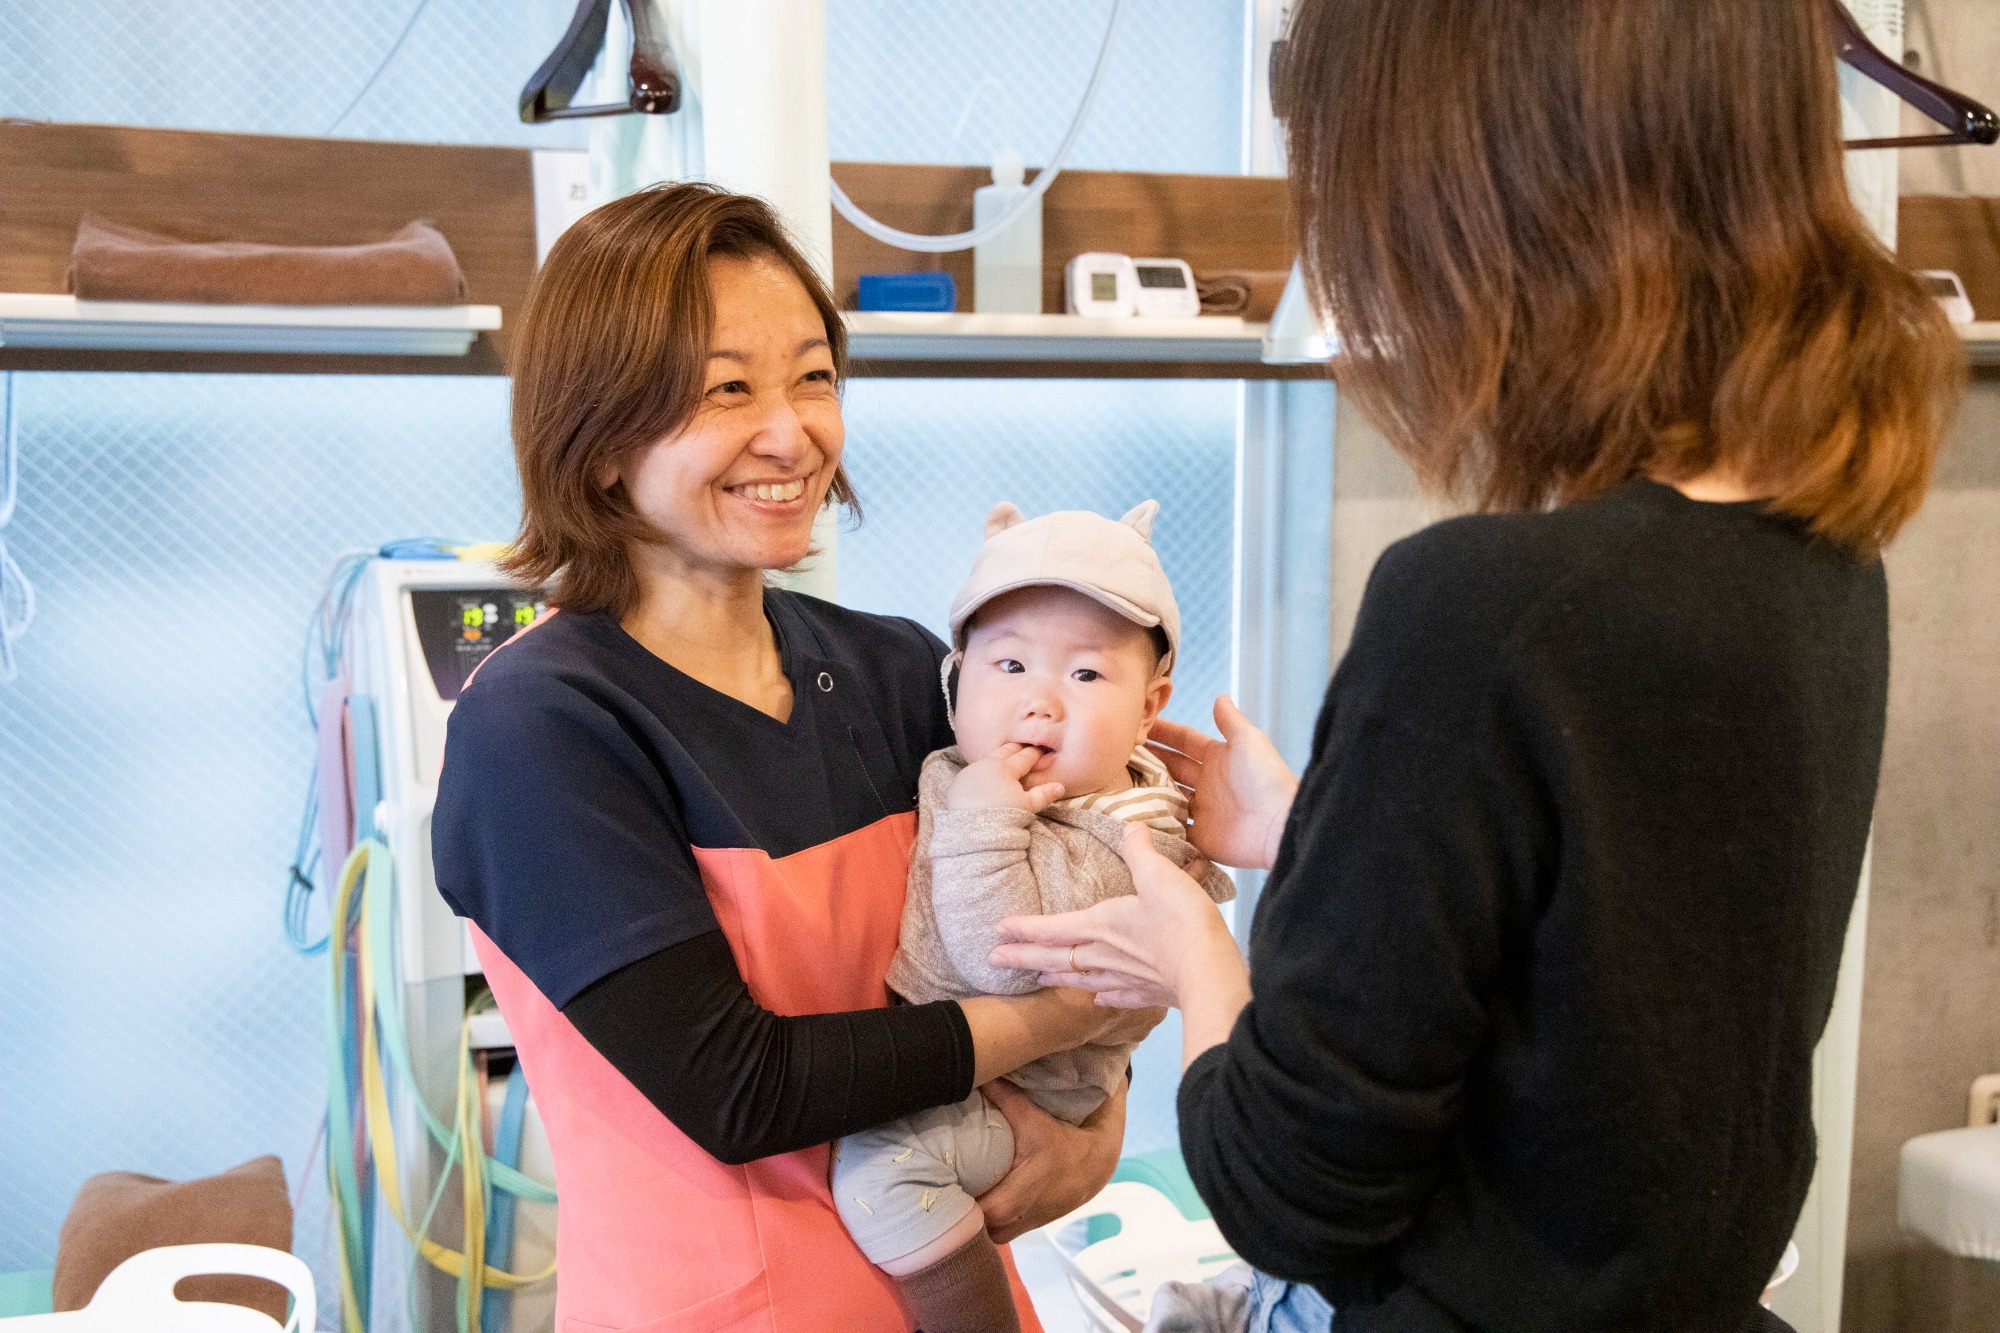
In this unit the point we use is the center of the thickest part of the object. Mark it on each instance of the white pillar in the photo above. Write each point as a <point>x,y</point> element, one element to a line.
<point>763,90</point>
<point>1811,1301</point>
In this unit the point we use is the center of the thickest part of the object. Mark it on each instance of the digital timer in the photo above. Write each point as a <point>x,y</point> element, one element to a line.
<point>459,627</point>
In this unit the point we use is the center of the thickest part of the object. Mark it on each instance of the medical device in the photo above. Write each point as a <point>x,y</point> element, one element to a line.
<point>1101,285</point>
<point>418,1060</point>
<point>1166,289</point>
<point>1950,293</point>
<point>1109,285</point>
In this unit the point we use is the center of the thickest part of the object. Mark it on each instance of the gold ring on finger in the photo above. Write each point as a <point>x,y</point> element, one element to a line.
<point>1074,969</point>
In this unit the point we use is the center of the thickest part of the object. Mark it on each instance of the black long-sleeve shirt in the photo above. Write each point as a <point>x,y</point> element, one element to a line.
<point>1555,927</point>
<point>744,1082</point>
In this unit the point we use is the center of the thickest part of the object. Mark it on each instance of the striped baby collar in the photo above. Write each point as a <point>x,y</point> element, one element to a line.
<point>1152,799</point>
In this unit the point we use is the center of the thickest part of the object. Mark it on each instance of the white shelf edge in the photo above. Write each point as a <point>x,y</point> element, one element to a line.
<point>1982,342</point>
<point>50,321</point>
<point>910,336</point>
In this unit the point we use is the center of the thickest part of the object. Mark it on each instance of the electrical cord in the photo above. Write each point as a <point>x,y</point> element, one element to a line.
<point>409,25</point>
<point>965,240</point>
<point>369,1047</point>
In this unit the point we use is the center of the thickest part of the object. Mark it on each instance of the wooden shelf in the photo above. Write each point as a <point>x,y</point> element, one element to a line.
<point>1216,223</point>
<point>288,191</point>
<point>339,191</point>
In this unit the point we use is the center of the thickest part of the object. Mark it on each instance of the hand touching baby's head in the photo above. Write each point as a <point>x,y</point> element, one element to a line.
<point>1051,668</point>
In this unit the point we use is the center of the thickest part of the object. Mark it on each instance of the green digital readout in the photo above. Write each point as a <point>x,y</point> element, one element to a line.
<point>458,627</point>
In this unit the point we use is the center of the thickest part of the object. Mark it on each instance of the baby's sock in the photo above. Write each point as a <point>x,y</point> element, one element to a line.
<point>964,1292</point>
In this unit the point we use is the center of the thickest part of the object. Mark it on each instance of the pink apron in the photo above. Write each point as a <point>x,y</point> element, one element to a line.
<point>653,1235</point>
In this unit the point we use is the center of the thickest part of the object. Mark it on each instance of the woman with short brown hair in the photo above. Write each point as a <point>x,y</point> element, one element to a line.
<point>679,812</point>
<point>1555,913</point>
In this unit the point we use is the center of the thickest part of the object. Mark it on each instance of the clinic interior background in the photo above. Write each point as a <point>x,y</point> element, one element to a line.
<point>156,749</point>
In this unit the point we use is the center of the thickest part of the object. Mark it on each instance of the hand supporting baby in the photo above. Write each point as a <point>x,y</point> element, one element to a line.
<point>997,782</point>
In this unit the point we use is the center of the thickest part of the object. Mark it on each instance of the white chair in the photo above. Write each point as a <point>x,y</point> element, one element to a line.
<point>1114,1279</point>
<point>138,1295</point>
<point>1949,1186</point>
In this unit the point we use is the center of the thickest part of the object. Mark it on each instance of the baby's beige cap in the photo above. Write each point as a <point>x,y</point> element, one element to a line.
<point>1112,562</point>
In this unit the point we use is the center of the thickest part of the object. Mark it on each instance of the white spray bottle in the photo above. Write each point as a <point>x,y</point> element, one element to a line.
<point>1007,270</point>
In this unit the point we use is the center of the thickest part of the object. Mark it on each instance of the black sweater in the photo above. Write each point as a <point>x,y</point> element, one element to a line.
<point>1555,927</point>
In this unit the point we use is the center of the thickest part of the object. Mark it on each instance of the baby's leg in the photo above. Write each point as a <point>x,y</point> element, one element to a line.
<point>906,1191</point>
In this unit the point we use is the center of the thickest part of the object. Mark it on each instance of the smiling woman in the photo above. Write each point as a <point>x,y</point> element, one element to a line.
<point>679,812</point>
<point>682,313</point>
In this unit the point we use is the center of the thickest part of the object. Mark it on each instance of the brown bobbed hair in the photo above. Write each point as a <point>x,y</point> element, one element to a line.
<point>611,355</point>
<point>1567,243</point>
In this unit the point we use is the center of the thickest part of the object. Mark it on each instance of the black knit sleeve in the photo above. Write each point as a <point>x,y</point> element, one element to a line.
<point>745,1083</point>
<point>1317,1131</point>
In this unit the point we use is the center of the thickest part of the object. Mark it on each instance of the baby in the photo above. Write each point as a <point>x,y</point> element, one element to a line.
<point>1065,635</point>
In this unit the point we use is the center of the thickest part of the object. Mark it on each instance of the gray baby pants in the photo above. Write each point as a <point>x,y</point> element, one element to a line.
<point>901,1185</point>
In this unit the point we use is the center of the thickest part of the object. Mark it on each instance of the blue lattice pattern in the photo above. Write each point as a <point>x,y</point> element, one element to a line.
<point>900,75</point>
<point>154,751</point>
<point>285,66</point>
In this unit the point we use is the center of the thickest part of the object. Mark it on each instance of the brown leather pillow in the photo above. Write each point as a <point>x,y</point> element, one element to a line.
<point>118,1214</point>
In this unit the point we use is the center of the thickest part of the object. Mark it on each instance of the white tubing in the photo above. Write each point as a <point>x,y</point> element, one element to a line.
<point>965,240</point>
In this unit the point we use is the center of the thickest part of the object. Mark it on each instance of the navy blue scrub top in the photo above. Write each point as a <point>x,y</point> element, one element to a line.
<point>579,759</point>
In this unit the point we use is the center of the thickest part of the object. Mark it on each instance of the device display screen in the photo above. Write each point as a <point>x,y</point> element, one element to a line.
<point>458,627</point>
<point>1942,286</point>
<point>1104,286</point>
<point>1161,275</point>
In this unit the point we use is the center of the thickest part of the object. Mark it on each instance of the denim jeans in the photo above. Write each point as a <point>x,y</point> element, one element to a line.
<point>1240,1300</point>
<point>1278,1306</point>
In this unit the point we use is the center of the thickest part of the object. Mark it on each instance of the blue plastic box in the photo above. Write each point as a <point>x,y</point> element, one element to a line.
<point>908,291</point>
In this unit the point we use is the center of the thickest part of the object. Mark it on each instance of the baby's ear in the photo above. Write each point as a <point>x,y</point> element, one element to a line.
<point>1140,520</point>
<point>1004,516</point>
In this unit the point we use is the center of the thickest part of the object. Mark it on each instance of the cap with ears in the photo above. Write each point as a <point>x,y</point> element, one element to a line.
<point>1111,561</point>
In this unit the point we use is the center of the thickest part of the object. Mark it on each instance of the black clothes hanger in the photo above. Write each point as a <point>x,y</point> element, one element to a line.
<point>1964,120</point>
<point>653,78</point>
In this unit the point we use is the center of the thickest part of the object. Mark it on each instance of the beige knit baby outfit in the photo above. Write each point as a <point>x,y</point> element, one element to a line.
<point>970,869</point>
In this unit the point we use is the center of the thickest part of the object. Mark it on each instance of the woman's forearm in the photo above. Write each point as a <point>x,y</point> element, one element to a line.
<point>1009,1031</point>
<point>1213,996</point>
<point>744,1082</point>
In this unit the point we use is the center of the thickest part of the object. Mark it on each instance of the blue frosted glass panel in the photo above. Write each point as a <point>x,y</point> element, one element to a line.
<point>285,66</point>
<point>901,73</point>
<point>931,457</point>
<point>154,751</point>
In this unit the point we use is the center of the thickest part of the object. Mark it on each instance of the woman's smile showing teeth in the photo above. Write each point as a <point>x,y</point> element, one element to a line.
<point>779,491</point>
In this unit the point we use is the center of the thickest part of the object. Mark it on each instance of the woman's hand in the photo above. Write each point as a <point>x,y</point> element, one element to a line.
<point>1164,944</point>
<point>1239,788</point>
<point>1057,1166</point>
